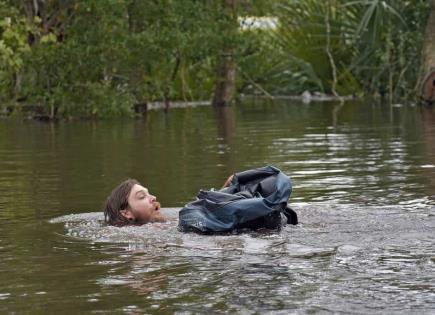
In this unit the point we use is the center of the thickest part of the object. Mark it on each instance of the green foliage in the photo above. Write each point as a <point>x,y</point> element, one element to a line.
<point>102,57</point>
<point>170,52</point>
<point>13,49</point>
<point>374,45</point>
<point>265,64</point>
<point>389,39</point>
<point>96,58</point>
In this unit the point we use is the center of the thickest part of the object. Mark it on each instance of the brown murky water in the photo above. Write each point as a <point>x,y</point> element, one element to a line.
<point>364,189</point>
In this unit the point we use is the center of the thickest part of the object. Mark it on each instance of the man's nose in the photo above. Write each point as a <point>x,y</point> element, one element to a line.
<point>152,198</point>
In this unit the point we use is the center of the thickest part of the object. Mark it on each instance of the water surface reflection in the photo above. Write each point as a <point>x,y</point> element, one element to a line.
<point>364,189</point>
<point>348,253</point>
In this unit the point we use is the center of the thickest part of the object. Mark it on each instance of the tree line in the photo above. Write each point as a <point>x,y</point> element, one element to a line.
<point>99,58</point>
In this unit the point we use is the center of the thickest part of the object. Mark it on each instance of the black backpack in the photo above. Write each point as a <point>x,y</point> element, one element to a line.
<point>254,199</point>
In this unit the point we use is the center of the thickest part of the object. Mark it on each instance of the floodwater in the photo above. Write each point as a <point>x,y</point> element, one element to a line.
<point>364,189</point>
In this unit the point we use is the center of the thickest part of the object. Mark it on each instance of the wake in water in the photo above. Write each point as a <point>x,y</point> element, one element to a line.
<point>333,260</point>
<point>161,236</point>
<point>91,226</point>
<point>324,227</point>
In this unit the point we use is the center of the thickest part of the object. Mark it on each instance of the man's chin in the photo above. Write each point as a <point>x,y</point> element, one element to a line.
<point>158,217</point>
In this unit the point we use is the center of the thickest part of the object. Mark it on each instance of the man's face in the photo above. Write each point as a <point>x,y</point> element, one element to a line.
<point>144,207</point>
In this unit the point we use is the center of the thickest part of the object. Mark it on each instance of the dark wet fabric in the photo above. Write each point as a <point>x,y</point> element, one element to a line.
<point>254,199</point>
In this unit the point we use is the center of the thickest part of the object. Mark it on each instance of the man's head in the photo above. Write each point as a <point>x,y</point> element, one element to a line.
<point>131,203</point>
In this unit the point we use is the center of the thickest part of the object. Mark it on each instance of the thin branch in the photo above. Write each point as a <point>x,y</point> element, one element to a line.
<point>258,86</point>
<point>328,49</point>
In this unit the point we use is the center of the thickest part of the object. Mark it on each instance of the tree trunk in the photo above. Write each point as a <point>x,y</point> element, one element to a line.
<point>166,96</point>
<point>226,69</point>
<point>226,79</point>
<point>428,59</point>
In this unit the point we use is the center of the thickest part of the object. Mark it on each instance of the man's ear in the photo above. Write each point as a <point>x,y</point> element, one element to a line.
<point>126,213</point>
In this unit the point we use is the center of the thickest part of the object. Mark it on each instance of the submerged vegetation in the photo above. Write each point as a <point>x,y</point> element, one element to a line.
<point>99,58</point>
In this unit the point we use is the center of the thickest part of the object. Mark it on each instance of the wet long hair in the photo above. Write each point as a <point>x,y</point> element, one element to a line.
<point>117,201</point>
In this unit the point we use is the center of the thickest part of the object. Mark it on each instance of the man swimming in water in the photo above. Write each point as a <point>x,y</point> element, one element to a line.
<point>132,204</point>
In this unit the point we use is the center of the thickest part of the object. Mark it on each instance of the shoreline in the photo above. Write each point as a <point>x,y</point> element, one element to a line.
<point>39,112</point>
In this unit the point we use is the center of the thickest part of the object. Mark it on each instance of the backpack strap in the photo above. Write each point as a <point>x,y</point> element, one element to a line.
<point>292,217</point>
